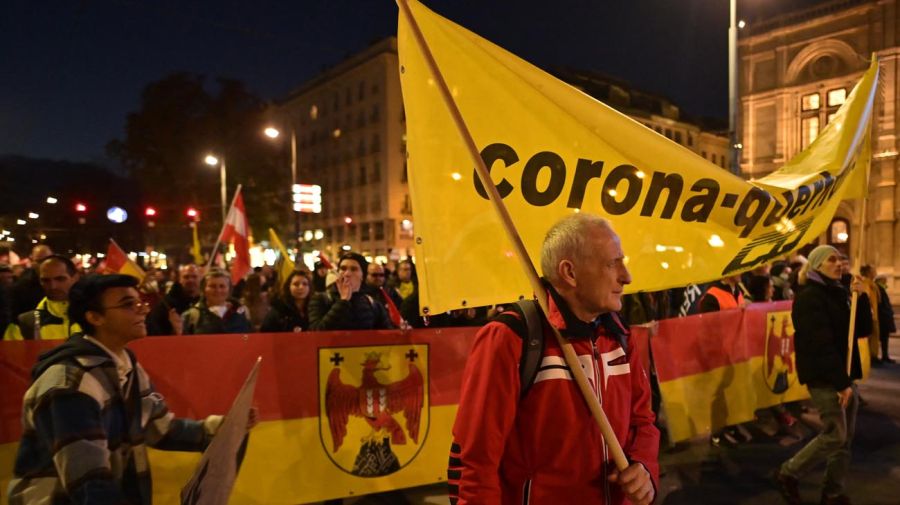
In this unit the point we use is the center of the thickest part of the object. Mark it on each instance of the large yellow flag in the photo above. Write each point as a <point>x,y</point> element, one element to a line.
<point>196,252</point>
<point>553,150</point>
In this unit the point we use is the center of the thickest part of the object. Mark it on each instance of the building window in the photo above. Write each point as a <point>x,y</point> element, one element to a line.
<point>379,230</point>
<point>840,231</point>
<point>314,112</point>
<point>361,119</point>
<point>376,171</point>
<point>349,97</point>
<point>376,114</point>
<point>690,139</point>
<point>362,175</point>
<point>678,137</point>
<point>362,90</point>
<point>365,229</point>
<point>405,178</point>
<point>830,117</point>
<point>703,153</point>
<point>337,102</point>
<point>361,148</point>
<point>837,97</point>
<point>668,133</point>
<point>810,102</point>
<point>809,130</point>
<point>376,144</point>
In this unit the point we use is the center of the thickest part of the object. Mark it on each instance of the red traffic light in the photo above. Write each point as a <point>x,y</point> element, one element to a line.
<point>192,213</point>
<point>80,207</point>
<point>150,212</point>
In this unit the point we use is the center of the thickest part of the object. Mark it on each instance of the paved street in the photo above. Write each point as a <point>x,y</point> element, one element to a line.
<point>696,473</point>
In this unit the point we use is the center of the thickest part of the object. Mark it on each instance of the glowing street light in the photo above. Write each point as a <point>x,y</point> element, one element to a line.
<point>33,215</point>
<point>20,222</point>
<point>212,160</point>
<point>51,200</point>
<point>272,133</point>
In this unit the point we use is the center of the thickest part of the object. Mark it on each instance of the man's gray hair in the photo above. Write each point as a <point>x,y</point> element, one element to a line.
<point>566,241</point>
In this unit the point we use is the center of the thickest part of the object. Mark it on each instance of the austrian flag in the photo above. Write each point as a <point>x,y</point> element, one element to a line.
<point>237,232</point>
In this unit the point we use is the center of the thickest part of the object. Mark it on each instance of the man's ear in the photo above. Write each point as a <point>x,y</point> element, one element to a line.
<point>94,318</point>
<point>566,273</point>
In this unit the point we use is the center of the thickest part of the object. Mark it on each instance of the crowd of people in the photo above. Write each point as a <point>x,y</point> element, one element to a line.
<point>50,298</point>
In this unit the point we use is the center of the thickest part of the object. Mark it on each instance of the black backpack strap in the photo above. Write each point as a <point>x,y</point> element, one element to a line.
<point>529,326</point>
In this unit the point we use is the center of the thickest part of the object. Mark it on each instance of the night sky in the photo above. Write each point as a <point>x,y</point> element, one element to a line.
<point>72,70</point>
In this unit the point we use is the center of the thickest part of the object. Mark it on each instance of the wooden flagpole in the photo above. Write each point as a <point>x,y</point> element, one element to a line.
<point>860,247</point>
<point>215,248</point>
<point>527,266</point>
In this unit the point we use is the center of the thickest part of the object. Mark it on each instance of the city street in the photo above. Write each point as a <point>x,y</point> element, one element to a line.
<point>696,473</point>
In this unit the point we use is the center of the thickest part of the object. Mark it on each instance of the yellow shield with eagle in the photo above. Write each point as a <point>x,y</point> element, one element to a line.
<point>373,406</point>
<point>780,368</point>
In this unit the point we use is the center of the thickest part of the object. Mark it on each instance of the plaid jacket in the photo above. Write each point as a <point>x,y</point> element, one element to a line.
<point>85,435</point>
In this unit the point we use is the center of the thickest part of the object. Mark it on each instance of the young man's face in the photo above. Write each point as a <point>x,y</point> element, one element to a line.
<point>189,278</point>
<point>56,280</point>
<point>350,269</point>
<point>216,291</point>
<point>832,267</point>
<point>404,272</point>
<point>122,314</point>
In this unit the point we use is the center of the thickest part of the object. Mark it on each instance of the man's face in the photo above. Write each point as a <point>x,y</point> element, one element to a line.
<point>601,274</point>
<point>845,265</point>
<point>122,314</point>
<point>832,267</point>
<point>404,272</point>
<point>55,280</point>
<point>350,269</point>
<point>216,291</point>
<point>189,277</point>
<point>375,278</point>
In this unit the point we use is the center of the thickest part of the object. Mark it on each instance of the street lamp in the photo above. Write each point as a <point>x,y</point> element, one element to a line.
<point>735,150</point>
<point>274,133</point>
<point>213,161</point>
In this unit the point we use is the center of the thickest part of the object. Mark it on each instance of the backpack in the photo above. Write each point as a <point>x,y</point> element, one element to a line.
<point>529,326</point>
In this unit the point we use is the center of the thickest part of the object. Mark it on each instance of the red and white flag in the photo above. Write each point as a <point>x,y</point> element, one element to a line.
<point>237,232</point>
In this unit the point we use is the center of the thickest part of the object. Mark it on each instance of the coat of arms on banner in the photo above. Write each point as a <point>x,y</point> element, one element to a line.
<point>779,370</point>
<point>373,406</point>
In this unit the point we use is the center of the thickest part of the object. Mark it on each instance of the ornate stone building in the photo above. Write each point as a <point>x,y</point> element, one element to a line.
<point>795,71</point>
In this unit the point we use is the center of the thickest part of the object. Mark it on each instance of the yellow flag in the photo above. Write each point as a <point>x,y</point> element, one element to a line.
<point>195,248</point>
<point>553,150</point>
<point>285,263</point>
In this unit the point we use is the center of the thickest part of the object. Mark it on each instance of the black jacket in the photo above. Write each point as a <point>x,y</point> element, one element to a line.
<point>158,318</point>
<point>199,320</point>
<point>821,316</point>
<point>328,312</point>
<point>283,317</point>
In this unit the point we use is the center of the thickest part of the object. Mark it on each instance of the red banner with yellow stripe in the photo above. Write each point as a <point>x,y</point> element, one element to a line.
<point>351,413</point>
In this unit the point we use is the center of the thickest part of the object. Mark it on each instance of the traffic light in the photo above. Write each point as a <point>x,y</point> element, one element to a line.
<point>80,208</point>
<point>150,212</point>
<point>193,213</point>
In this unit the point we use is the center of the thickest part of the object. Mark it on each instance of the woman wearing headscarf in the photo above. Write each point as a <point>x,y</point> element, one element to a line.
<point>288,312</point>
<point>821,317</point>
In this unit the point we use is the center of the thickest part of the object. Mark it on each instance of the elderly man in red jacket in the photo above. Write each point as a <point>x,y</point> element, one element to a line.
<point>544,447</point>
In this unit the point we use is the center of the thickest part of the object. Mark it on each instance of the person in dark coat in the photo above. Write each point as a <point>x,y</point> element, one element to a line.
<point>342,306</point>
<point>184,293</point>
<point>886,322</point>
<point>26,290</point>
<point>216,312</point>
<point>289,308</point>
<point>821,317</point>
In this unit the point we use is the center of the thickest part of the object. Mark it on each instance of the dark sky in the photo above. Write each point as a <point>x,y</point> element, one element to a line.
<point>72,70</point>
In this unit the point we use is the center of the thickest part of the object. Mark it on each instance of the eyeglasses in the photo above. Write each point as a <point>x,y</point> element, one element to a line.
<point>132,305</point>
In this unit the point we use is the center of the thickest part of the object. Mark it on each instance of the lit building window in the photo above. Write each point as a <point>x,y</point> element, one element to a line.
<point>313,112</point>
<point>837,97</point>
<point>809,130</point>
<point>810,102</point>
<point>840,233</point>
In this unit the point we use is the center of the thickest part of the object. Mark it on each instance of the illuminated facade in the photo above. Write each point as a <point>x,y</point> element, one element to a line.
<point>795,71</point>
